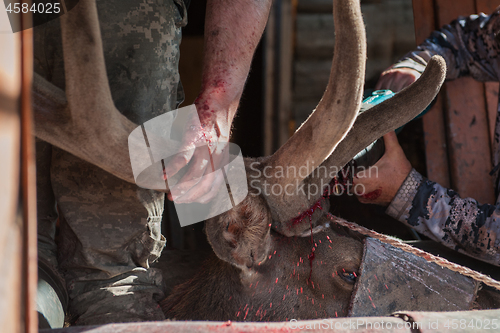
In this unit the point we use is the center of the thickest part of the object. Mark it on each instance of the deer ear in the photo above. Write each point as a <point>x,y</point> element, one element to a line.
<point>241,236</point>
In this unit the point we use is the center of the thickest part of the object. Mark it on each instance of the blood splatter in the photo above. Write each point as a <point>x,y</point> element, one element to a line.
<point>308,213</point>
<point>246,313</point>
<point>373,195</point>
<point>311,256</point>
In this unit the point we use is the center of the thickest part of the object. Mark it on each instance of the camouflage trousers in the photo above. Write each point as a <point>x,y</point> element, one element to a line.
<point>110,230</point>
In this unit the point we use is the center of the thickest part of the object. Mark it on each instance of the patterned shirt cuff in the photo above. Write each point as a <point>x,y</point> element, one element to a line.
<point>413,61</point>
<point>401,204</point>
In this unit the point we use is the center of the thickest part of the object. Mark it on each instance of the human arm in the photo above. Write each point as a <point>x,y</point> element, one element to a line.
<point>439,213</point>
<point>232,32</point>
<point>468,45</point>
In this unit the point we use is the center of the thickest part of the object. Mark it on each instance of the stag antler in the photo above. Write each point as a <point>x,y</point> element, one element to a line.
<point>84,121</point>
<point>322,134</point>
<point>336,112</point>
<point>389,115</point>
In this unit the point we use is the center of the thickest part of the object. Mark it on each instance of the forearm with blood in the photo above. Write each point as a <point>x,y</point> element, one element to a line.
<point>232,32</point>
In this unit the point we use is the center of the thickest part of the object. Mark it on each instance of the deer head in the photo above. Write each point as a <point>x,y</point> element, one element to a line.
<point>331,136</point>
<point>261,241</point>
<point>280,240</point>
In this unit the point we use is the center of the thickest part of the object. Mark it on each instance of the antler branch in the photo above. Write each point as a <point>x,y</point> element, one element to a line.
<point>388,115</point>
<point>318,136</point>
<point>84,121</point>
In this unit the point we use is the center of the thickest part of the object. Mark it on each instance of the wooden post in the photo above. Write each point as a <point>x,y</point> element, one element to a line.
<point>11,240</point>
<point>458,130</point>
<point>467,123</point>
<point>491,88</point>
<point>28,179</point>
<point>433,122</point>
<point>278,74</point>
<point>18,236</point>
<point>269,79</point>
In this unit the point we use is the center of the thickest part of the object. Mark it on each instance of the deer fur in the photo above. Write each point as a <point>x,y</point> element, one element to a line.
<point>269,265</point>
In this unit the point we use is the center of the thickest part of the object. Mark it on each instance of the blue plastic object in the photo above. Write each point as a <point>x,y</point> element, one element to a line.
<point>371,154</point>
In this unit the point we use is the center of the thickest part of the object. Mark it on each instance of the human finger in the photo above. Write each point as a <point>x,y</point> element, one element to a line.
<point>198,164</point>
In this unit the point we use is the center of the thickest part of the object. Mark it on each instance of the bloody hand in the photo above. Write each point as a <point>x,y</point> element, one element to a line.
<point>384,180</point>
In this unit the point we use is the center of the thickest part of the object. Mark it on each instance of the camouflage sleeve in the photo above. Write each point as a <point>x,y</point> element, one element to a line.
<point>440,214</point>
<point>468,45</point>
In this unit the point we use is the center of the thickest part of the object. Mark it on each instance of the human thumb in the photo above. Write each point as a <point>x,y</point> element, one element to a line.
<point>391,142</point>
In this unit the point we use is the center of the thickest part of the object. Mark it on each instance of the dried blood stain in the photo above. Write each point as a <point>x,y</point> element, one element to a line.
<point>373,195</point>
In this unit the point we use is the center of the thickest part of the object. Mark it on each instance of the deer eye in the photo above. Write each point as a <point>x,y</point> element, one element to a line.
<point>349,277</point>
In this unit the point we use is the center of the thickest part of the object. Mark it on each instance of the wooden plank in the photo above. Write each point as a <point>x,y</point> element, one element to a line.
<point>448,10</point>
<point>486,6</point>
<point>286,22</point>
<point>315,36</point>
<point>269,85</point>
<point>278,74</point>
<point>389,38</point>
<point>423,19</point>
<point>469,140</point>
<point>435,144</point>
<point>491,91</point>
<point>326,6</point>
<point>433,122</point>
<point>467,123</point>
<point>394,280</point>
<point>28,181</point>
<point>11,258</point>
<point>491,88</point>
<point>311,78</point>
<point>302,108</point>
<point>315,6</point>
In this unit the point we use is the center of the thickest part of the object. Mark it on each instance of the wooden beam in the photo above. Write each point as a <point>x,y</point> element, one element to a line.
<point>269,79</point>
<point>287,19</point>
<point>315,6</point>
<point>278,73</point>
<point>424,19</point>
<point>467,123</point>
<point>11,259</point>
<point>28,180</point>
<point>491,92</point>
<point>315,36</point>
<point>486,6</point>
<point>491,88</point>
<point>468,137</point>
<point>436,153</point>
<point>433,122</point>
